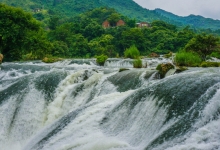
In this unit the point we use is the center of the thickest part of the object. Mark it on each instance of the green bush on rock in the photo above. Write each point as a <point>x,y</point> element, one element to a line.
<point>164,68</point>
<point>132,52</point>
<point>189,59</point>
<point>137,63</point>
<point>101,59</point>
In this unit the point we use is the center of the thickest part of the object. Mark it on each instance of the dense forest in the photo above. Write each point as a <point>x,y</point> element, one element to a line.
<point>22,37</point>
<point>43,9</point>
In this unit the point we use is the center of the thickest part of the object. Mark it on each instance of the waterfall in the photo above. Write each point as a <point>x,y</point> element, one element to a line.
<point>77,105</point>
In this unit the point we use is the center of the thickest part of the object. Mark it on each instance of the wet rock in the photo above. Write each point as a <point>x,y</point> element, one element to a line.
<point>1,58</point>
<point>164,68</point>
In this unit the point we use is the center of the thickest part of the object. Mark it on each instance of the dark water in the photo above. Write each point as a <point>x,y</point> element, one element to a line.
<point>77,105</point>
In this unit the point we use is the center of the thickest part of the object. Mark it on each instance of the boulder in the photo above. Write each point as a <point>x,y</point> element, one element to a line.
<point>164,68</point>
<point>1,58</point>
<point>154,55</point>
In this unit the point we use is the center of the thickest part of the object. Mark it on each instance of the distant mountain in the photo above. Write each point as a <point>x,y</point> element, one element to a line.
<point>128,8</point>
<point>191,20</point>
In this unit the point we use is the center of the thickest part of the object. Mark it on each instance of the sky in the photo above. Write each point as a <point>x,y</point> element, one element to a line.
<point>205,8</point>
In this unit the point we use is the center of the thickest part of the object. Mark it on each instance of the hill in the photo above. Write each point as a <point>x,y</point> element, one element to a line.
<point>69,8</point>
<point>191,20</point>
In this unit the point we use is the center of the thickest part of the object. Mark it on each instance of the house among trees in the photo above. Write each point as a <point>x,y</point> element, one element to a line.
<point>106,24</point>
<point>143,24</point>
<point>120,23</point>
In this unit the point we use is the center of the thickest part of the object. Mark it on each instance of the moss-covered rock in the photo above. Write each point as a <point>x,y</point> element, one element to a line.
<point>122,69</point>
<point>210,64</point>
<point>1,58</point>
<point>180,69</point>
<point>164,68</point>
<point>51,59</point>
<point>168,55</point>
<point>154,55</point>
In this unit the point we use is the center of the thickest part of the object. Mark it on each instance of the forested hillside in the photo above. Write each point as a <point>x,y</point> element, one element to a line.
<point>22,37</point>
<point>43,9</point>
<point>192,20</point>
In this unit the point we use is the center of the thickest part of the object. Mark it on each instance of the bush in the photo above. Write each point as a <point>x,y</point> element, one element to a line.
<point>101,59</point>
<point>132,52</point>
<point>210,64</point>
<point>215,54</point>
<point>137,63</point>
<point>187,59</point>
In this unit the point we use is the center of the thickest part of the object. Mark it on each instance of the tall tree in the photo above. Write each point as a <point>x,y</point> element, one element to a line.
<point>15,25</point>
<point>203,44</point>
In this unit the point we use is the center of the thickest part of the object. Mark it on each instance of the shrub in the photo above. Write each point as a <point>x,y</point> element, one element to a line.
<point>132,52</point>
<point>184,58</point>
<point>215,54</point>
<point>137,63</point>
<point>101,59</point>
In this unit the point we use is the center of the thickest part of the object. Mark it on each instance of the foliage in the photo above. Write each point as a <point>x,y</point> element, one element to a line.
<point>16,28</point>
<point>164,68</point>
<point>101,59</point>
<point>82,36</point>
<point>137,63</point>
<point>132,52</point>
<point>44,9</point>
<point>190,59</point>
<point>203,44</point>
<point>210,64</point>
<point>215,54</point>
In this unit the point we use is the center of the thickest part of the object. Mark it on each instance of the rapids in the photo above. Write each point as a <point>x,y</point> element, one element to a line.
<point>77,105</point>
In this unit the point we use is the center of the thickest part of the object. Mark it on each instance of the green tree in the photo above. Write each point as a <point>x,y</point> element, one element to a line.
<point>113,19</point>
<point>134,36</point>
<point>93,30</point>
<point>15,26</point>
<point>203,44</point>
<point>103,45</point>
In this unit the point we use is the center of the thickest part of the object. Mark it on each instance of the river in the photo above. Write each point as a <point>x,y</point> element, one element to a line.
<point>77,105</point>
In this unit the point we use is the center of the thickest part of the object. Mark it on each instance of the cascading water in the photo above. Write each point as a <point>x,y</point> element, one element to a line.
<point>77,105</point>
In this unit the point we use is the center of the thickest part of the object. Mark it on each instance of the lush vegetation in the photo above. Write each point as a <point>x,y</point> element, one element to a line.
<point>101,59</point>
<point>184,58</point>
<point>24,38</point>
<point>44,9</point>
<point>137,63</point>
<point>132,52</point>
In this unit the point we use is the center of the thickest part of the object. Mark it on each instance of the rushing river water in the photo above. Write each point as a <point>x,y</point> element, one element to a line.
<point>77,105</point>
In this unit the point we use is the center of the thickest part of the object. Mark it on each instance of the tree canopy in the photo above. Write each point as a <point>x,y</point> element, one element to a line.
<point>16,27</point>
<point>203,44</point>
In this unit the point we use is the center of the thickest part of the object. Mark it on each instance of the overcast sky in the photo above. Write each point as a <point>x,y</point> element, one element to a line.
<point>205,8</point>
